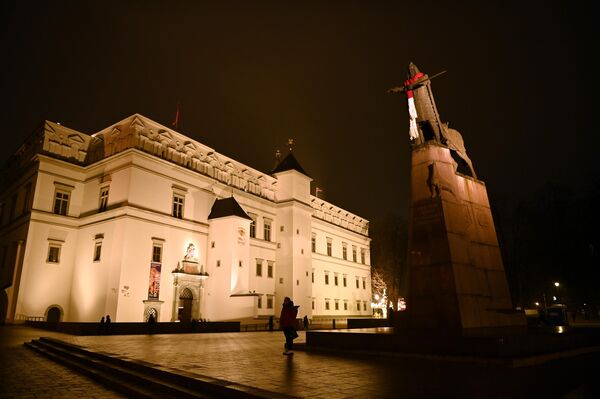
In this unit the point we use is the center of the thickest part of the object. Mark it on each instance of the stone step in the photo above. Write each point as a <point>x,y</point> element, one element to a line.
<point>142,380</point>
<point>107,379</point>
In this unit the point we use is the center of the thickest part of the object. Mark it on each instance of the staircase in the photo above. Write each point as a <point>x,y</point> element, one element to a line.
<point>142,380</point>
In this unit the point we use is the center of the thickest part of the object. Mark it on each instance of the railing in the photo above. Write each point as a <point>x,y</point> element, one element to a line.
<point>22,317</point>
<point>259,327</point>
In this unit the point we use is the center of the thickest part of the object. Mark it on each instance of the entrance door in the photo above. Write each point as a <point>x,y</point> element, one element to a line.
<point>53,315</point>
<point>185,305</point>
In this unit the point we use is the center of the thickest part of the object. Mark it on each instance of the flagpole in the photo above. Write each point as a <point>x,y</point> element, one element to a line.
<point>176,121</point>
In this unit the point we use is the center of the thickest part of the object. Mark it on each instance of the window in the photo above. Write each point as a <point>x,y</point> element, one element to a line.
<point>364,283</point>
<point>345,305</point>
<point>357,283</point>
<point>62,195</point>
<point>239,263</point>
<point>281,228</point>
<point>269,301</point>
<point>312,276</point>
<point>218,263</point>
<point>280,280</point>
<point>365,305</point>
<point>362,256</point>
<point>259,302</point>
<point>326,304</point>
<point>328,246</point>
<point>267,230</point>
<point>157,253</point>
<point>344,280</point>
<point>335,279</point>
<point>53,253</point>
<point>269,269</point>
<point>353,253</point>
<point>337,304</point>
<point>326,278</point>
<point>212,244</point>
<point>253,226</point>
<point>157,247</point>
<point>358,305</point>
<point>314,243</point>
<point>313,304</point>
<point>103,199</point>
<point>97,251</point>
<point>178,201</point>
<point>259,267</point>
<point>61,202</point>
<point>345,251</point>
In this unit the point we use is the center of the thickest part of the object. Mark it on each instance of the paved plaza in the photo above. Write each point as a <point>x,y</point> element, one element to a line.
<point>255,359</point>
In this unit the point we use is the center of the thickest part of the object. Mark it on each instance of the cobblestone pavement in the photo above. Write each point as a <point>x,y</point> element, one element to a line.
<point>256,359</point>
<point>25,374</point>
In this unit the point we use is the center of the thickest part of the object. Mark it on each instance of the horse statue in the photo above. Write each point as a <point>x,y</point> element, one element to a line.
<point>455,142</point>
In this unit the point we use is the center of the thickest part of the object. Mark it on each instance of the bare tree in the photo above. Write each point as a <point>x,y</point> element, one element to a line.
<point>388,255</point>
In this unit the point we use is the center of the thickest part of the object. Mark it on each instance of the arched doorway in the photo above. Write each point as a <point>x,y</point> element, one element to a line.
<point>184,311</point>
<point>53,315</point>
<point>151,311</point>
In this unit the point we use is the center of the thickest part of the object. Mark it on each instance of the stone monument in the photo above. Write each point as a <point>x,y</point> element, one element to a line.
<point>457,279</point>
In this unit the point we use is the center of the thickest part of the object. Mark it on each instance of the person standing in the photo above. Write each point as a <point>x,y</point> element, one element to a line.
<point>287,323</point>
<point>107,323</point>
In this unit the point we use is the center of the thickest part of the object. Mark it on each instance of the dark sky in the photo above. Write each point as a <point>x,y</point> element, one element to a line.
<point>250,74</point>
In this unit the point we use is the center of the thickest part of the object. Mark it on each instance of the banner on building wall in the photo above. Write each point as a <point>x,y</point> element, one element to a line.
<point>154,284</point>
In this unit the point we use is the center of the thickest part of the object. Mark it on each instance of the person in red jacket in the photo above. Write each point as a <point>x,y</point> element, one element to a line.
<point>287,323</point>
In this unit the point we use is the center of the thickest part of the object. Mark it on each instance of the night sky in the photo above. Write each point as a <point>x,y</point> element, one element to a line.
<point>249,74</point>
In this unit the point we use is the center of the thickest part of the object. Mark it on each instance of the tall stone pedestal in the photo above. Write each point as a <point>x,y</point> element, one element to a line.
<point>457,279</point>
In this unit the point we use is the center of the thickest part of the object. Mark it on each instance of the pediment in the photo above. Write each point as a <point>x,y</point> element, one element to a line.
<point>76,138</point>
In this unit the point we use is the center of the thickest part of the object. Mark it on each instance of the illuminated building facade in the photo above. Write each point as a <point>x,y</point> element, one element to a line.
<point>139,219</point>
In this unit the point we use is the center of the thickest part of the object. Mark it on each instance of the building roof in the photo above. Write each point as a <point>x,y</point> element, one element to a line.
<point>289,163</point>
<point>227,207</point>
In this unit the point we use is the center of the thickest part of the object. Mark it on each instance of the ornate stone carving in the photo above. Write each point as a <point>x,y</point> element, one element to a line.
<point>436,183</point>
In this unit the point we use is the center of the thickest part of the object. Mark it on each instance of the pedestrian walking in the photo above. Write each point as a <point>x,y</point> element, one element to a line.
<point>287,323</point>
<point>107,323</point>
<point>305,322</point>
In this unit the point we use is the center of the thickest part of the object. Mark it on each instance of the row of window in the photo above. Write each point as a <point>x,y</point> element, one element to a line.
<point>344,280</point>
<point>54,249</point>
<point>259,268</point>
<point>269,304</point>
<point>267,223</point>
<point>336,304</point>
<point>61,205</point>
<point>363,251</point>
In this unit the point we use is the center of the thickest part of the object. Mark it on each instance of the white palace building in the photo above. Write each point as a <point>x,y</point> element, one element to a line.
<point>138,219</point>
